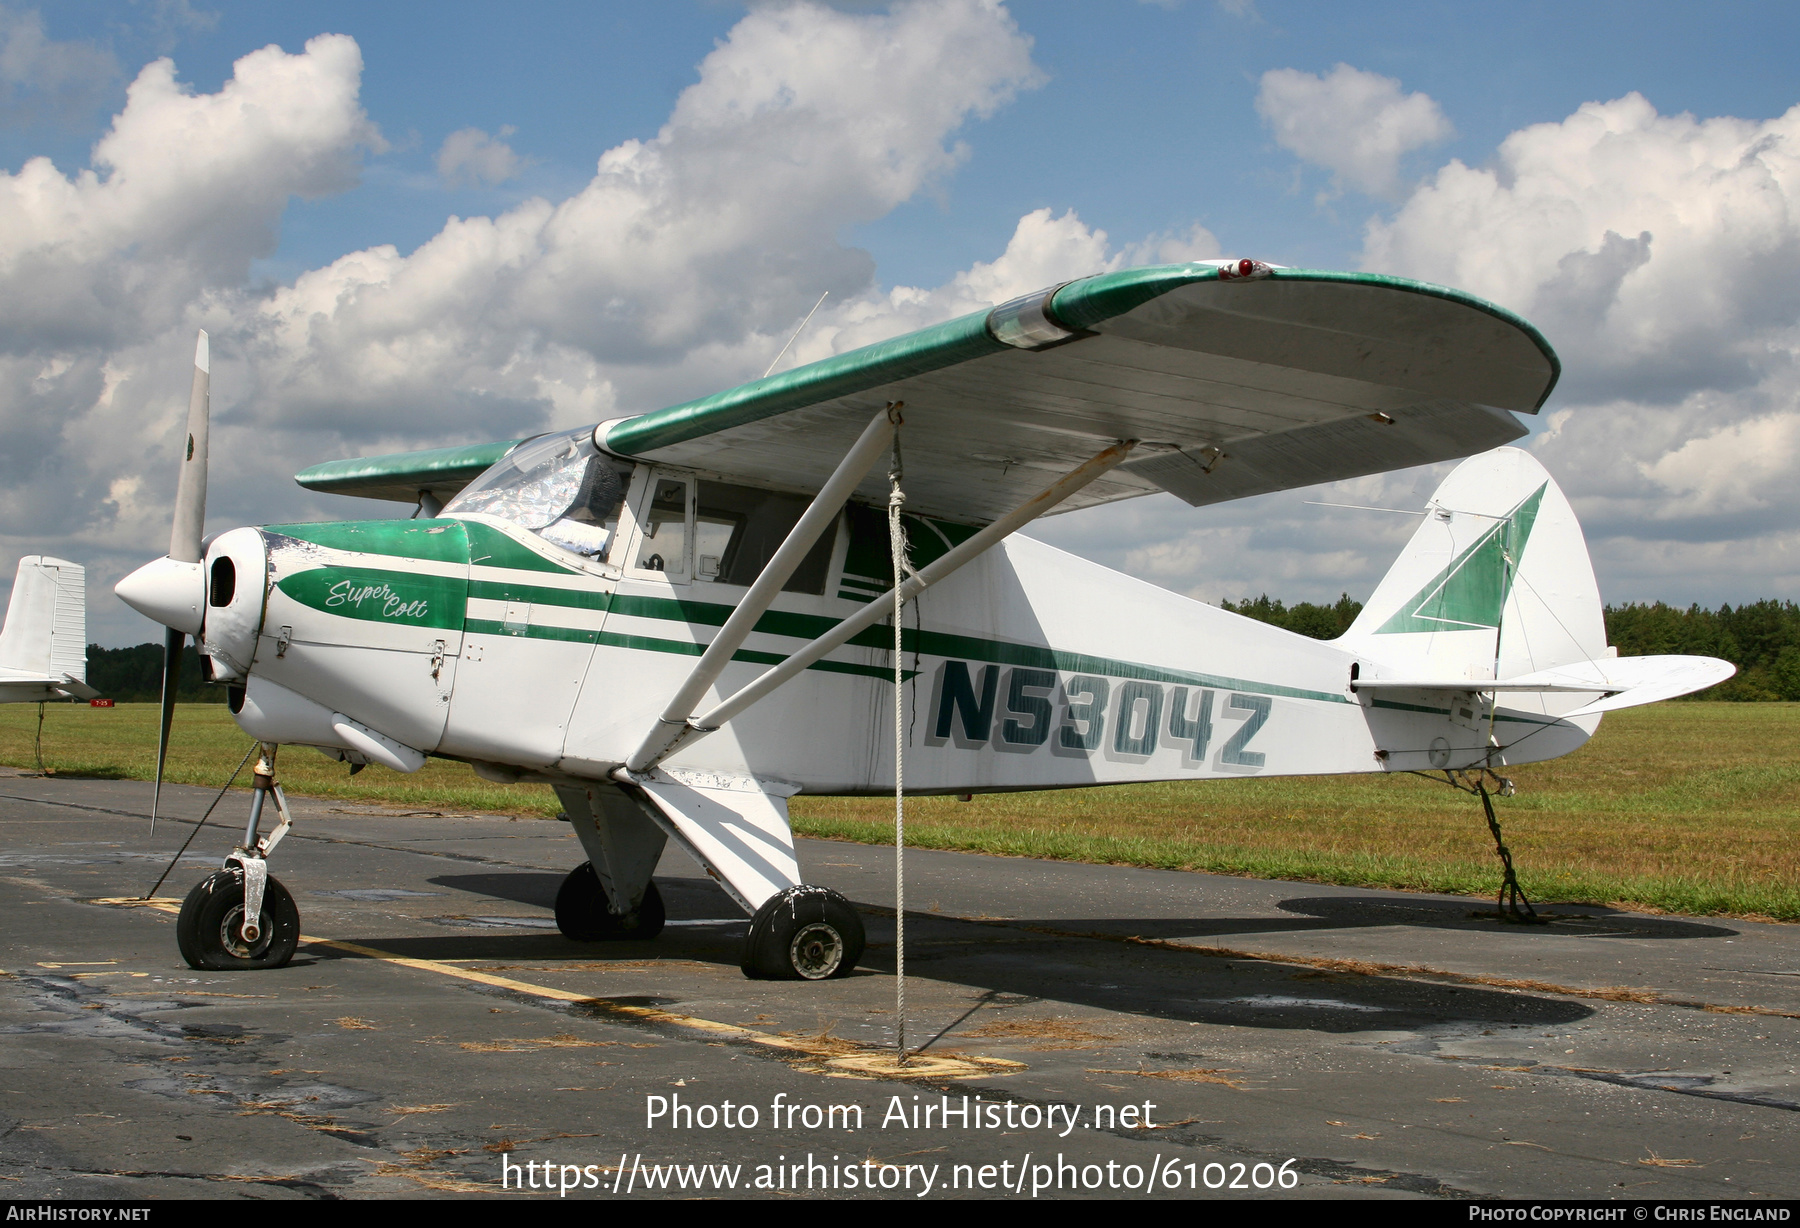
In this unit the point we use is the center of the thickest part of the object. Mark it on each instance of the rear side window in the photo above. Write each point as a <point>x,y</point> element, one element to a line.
<point>737,530</point>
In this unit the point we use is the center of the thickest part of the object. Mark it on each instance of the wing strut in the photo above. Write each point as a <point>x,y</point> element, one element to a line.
<point>673,723</point>
<point>1038,505</point>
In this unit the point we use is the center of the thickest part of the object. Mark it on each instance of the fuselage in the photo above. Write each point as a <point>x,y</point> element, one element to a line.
<point>473,637</point>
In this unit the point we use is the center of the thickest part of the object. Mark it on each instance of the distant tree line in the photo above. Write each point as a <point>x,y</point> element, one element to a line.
<point>1761,638</point>
<point>1321,622</point>
<point>134,675</point>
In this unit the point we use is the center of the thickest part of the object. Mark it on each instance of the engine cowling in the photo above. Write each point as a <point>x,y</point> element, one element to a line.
<point>237,578</point>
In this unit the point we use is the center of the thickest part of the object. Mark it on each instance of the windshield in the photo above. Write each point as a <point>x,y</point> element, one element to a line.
<point>558,486</point>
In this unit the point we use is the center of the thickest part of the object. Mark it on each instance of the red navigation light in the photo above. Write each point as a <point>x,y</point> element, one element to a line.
<point>1243,270</point>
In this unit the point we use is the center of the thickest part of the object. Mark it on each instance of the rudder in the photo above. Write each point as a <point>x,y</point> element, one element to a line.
<point>1495,583</point>
<point>45,633</point>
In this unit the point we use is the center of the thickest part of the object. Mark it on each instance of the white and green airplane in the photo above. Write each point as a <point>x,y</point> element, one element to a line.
<point>43,645</point>
<point>683,618</point>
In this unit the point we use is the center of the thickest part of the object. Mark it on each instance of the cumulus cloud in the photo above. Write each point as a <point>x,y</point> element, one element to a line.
<point>642,288</point>
<point>665,277</point>
<point>471,157</point>
<point>1355,124</point>
<point>45,81</point>
<point>185,192</point>
<point>1660,254</point>
<point>102,271</point>
<point>1044,249</point>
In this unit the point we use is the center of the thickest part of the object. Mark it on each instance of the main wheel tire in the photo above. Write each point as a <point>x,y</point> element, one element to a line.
<point>805,933</point>
<point>207,930</point>
<point>583,915</point>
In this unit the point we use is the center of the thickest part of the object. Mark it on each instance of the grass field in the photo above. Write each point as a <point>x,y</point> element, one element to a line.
<point>1681,807</point>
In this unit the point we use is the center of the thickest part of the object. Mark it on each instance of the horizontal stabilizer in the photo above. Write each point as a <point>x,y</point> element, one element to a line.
<point>75,688</point>
<point>1622,682</point>
<point>733,825</point>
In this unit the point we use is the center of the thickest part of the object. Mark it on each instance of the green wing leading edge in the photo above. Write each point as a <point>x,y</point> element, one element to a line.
<point>1236,381</point>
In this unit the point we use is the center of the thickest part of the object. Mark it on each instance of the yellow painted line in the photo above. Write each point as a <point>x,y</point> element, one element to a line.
<point>432,965</point>
<point>862,1061</point>
<point>648,1014</point>
<point>645,1014</point>
<point>172,907</point>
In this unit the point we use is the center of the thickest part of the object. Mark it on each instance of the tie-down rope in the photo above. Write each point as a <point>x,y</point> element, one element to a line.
<point>1512,904</point>
<point>897,553</point>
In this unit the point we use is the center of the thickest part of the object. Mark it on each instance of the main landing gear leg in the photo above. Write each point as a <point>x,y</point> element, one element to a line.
<point>238,917</point>
<point>610,896</point>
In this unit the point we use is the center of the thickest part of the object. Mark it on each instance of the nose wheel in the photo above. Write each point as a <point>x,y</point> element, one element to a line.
<point>239,918</point>
<point>211,932</point>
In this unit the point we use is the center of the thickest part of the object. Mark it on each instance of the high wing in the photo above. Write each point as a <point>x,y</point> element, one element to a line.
<point>404,476</point>
<point>1235,380</point>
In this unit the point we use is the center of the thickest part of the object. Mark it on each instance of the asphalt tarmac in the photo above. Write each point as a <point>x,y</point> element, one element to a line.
<point>1116,1032</point>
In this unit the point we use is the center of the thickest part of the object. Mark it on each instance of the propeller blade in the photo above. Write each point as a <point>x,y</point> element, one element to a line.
<point>185,539</point>
<point>190,492</point>
<point>174,644</point>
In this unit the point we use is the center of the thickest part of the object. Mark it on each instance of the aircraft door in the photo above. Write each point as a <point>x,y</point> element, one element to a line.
<point>544,526</point>
<point>533,621</point>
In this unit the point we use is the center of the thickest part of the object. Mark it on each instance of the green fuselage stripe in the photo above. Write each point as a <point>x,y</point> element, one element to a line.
<point>646,643</point>
<point>791,625</point>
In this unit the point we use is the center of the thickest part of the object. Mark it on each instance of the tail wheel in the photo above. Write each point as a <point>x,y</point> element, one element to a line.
<point>805,933</point>
<point>582,912</point>
<point>208,930</point>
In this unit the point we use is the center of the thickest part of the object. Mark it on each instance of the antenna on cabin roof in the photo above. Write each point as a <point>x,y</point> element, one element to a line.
<point>797,332</point>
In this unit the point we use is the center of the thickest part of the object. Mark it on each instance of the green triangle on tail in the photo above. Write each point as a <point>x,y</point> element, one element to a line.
<point>1469,594</point>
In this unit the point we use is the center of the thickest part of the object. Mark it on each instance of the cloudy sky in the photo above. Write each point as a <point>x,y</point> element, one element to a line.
<point>418,225</point>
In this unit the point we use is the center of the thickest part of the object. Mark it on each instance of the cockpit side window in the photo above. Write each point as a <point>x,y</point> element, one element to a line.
<point>663,542</point>
<point>558,486</point>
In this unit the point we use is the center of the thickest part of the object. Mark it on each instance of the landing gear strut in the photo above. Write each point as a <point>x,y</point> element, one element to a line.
<point>238,917</point>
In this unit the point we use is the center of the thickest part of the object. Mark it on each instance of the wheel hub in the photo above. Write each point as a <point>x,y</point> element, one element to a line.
<point>816,951</point>
<point>231,937</point>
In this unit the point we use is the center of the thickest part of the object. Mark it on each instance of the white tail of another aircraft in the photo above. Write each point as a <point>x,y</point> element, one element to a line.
<point>1496,588</point>
<point>43,646</point>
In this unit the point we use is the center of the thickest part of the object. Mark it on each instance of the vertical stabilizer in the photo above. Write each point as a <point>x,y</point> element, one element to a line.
<point>45,634</point>
<point>1495,583</point>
